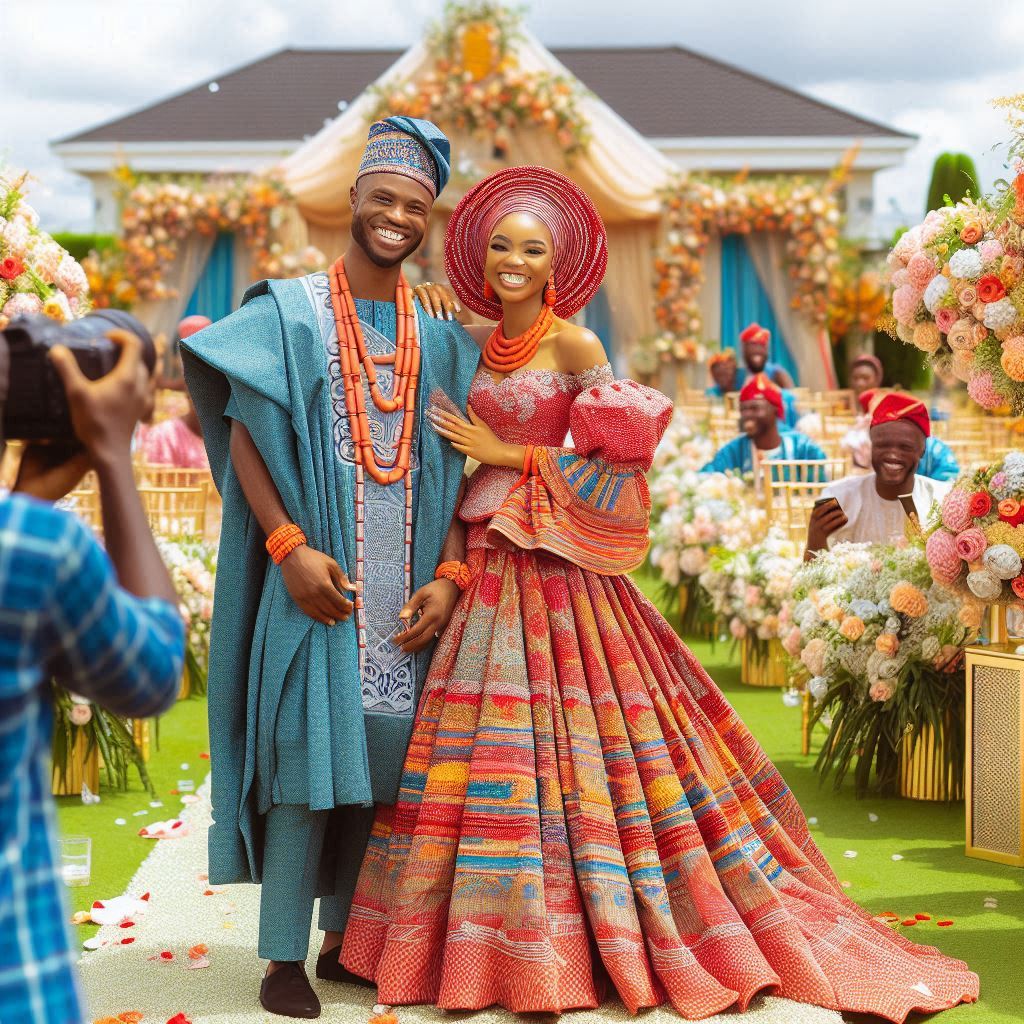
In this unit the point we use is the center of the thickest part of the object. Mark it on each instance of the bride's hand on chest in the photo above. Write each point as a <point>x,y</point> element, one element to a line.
<point>475,439</point>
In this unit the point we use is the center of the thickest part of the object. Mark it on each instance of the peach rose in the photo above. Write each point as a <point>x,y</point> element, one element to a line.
<point>852,628</point>
<point>971,233</point>
<point>971,615</point>
<point>880,691</point>
<point>887,644</point>
<point>813,656</point>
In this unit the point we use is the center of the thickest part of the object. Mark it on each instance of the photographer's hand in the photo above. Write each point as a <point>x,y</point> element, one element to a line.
<point>49,471</point>
<point>104,413</point>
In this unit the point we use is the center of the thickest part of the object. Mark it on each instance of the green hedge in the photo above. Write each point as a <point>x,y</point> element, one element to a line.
<point>80,245</point>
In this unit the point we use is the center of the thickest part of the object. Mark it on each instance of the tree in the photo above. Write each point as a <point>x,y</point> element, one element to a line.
<point>953,175</point>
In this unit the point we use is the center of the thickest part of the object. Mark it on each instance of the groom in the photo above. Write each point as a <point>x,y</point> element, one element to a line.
<point>311,706</point>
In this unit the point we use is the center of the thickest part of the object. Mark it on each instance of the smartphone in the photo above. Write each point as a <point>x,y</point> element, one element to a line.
<point>828,500</point>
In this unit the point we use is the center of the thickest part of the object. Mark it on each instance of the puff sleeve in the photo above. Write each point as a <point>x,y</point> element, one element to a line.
<point>589,504</point>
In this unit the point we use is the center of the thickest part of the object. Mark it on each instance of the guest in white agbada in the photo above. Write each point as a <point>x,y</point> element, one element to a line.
<point>869,508</point>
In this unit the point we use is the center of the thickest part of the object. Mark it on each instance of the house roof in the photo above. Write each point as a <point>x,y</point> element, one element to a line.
<point>663,92</point>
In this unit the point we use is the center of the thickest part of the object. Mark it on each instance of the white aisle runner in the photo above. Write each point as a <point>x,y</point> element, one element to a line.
<point>119,977</point>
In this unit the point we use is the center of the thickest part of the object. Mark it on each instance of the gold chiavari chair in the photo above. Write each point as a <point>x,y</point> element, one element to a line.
<point>970,452</point>
<point>790,487</point>
<point>154,475</point>
<point>841,401</point>
<point>176,511</point>
<point>84,502</point>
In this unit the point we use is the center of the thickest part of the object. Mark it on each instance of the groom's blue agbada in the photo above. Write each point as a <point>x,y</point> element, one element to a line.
<point>266,366</point>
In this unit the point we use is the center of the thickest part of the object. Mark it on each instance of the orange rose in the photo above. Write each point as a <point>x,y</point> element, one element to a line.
<point>908,600</point>
<point>990,288</point>
<point>887,644</point>
<point>971,232</point>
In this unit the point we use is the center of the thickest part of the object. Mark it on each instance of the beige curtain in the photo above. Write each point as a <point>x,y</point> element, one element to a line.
<point>628,286</point>
<point>162,316</point>
<point>241,272</point>
<point>808,343</point>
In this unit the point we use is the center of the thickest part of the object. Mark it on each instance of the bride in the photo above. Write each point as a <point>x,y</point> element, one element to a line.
<point>580,804</point>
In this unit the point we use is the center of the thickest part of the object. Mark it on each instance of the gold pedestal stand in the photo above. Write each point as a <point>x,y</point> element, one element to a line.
<point>995,747</point>
<point>79,769</point>
<point>767,671</point>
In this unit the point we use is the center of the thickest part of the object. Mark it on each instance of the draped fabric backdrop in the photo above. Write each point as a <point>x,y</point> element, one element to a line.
<point>214,293</point>
<point>809,344</point>
<point>161,316</point>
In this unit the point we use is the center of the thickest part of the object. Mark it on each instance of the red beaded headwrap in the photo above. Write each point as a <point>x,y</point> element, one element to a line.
<point>577,231</point>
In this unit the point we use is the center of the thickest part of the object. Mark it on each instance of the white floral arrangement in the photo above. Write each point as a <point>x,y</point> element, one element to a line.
<point>193,568</point>
<point>692,514</point>
<point>749,586</point>
<point>36,274</point>
<point>685,445</point>
<point>881,643</point>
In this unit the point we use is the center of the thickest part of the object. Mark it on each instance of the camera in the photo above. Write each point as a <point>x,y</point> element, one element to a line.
<point>36,408</point>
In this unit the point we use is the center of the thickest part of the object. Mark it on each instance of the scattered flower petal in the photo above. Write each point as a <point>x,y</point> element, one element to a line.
<point>812,821</point>
<point>184,767</point>
<point>872,817</point>
<point>845,885</point>
<point>198,964</point>
<point>205,757</point>
<point>200,949</point>
<point>139,814</point>
<point>130,1017</point>
<point>94,943</point>
<point>909,922</point>
<point>380,1008</point>
<point>81,917</point>
<point>850,854</point>
<point>923,917</point>
<point>897,856</point>
<point>128,940</point>
<point>156,803</point>
<point>943,924</point>
<point>120,821</point>
<point>127,924</point>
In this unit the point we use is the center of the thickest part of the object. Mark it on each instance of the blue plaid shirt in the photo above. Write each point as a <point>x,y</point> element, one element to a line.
<point>61,612</point>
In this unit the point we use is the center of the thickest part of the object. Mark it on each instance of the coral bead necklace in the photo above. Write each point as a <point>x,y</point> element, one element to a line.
<point>355,360</point>
<point>505,355</point>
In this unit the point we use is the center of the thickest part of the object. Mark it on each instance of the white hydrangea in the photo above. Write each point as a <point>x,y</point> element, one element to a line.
<point>818,687</point>
<point>966,264</point>
<point>930,648</point>
<point>999,315</point>
<point>937,289</point>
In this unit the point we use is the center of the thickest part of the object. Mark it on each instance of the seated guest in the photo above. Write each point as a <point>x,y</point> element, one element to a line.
<point>727,379</point>
<point>937,463</point>
<point>868,508</point>
<point>763,437</point>
<point>175,442</point>
<point>178,441</point>
<point>755,340</point>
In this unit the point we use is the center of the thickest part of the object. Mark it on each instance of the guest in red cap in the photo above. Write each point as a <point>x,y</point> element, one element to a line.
<point>755,340</point>
<point>178,441</point>
<point>765,435</point>
<point>878,506</point>
<point>938,461</point>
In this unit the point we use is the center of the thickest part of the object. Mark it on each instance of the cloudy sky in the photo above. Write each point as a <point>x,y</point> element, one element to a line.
<point>926,66</point>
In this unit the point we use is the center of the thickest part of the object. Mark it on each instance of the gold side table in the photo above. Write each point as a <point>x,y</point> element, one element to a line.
<point>994,780</point>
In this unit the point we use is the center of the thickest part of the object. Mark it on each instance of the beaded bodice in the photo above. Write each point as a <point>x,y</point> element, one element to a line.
<point>527,407</point>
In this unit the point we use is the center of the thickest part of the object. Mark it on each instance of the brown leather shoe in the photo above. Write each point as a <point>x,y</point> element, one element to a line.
<point>288,992</point>
<point>328,968</point>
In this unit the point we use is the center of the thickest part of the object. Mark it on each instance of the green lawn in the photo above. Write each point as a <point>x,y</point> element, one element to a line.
<point>934,876</point>
<point>118,850</point>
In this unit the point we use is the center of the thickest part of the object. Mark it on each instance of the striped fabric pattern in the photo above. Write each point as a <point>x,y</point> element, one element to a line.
<point>579,802</point>
<point>61,612</point>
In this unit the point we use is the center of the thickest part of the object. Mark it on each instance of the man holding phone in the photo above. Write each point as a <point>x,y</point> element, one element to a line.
<point>878,506</point>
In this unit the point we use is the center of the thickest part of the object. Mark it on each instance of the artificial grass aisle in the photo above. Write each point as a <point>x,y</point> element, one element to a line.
<point>118,850</point>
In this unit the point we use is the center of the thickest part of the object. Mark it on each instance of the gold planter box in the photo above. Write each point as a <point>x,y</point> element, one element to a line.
<point>768,671</point>
<point>995,754</point>
<point>79,769</point>
<point>140,734</point>
<point>923,775</point>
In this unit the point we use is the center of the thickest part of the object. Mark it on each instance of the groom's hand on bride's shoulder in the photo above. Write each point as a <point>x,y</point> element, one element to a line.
<point>434,603</point>
<point>439,302</point>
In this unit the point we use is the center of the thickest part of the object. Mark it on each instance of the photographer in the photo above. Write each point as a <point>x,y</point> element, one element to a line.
<point>107,627</point>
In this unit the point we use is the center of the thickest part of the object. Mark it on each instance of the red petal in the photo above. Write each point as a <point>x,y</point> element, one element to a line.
<point>923,917</point>
<point>98,905</point>
<point>177,824</point>
<point>166,955</point>
<point>205,757</point>
<point>128,941</point>
<point>209,892</point>
<point>909,921</point>
<point>145,896</point>
<point>127,924</point>
<point>943,924</point>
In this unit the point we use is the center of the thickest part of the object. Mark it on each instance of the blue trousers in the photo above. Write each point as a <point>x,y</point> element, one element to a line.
<point>292,852</point>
